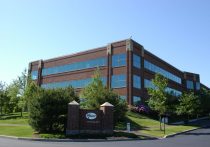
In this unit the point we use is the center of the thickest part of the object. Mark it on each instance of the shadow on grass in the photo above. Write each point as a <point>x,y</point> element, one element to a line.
<point>134,126</point>
<point>89,136</point>
<point>12,116</point>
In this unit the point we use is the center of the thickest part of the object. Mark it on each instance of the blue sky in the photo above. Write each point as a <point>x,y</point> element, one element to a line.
<point>177,31</point>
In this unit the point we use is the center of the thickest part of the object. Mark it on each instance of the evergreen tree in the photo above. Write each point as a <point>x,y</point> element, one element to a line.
<point>48,107</point>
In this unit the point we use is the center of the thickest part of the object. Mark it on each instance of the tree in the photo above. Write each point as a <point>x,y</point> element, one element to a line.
<point>189,105</point>
<point>96,94</point>
<point>22,81</point>
<point>15,92</point>
<point>2,95</point>
<point>158,100</point>
<point>12,93</point>
<point>204,96</point>
<point>48,107</point>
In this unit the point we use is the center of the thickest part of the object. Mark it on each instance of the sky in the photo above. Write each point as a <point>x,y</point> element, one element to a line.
<point>178,31</point>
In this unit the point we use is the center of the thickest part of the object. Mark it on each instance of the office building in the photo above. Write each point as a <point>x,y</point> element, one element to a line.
<point>125,66</point>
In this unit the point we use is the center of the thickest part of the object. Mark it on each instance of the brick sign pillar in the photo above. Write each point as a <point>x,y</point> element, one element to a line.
<point>73,118</point>
<point>107,122</point>
<point>90,121</point>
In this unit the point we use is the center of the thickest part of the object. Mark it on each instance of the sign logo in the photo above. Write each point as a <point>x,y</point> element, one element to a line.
<point>91,115</point>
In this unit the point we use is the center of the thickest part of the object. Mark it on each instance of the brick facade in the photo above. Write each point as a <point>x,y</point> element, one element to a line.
<point>128,47</point>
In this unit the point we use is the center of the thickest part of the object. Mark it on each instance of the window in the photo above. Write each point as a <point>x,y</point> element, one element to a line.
<point>75,66</point>
<point>190,84</point>
<point>174,92</point>
<point>118,60</point>
<point>118,81</point>
<point>136,81</point>
<point>74,83</point>
<point>34,75</point>
<point>148,84</point>
<point>198,86</point>
<point>136,61</point>
<point>148,65</point>
<point>123,97</point>
<point>136,100</point>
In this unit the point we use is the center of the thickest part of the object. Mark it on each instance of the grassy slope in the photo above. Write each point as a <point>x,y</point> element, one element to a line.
<point>145,125</point>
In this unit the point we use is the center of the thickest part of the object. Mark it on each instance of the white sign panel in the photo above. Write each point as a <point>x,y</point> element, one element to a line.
<point>91,115</point>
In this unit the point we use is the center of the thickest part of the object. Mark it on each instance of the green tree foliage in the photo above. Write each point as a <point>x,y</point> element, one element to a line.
<point>2,96</point>
<point>205,100</point>
<point>22,81</point>
<point>96,94</point>
<point>48,107</point>
<point>159,98</point>
<point>189,105</point>
<point>12,93</point>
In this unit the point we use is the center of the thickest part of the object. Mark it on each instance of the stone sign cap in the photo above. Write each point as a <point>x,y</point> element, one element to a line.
<point>107,104</point>
<point>73,103</point>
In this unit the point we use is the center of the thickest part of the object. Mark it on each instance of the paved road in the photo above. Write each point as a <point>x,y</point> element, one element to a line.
<point>197,138</point>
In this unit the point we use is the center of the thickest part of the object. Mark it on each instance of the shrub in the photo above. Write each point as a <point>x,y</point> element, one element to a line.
<point>48,107</point>
<point>142,109</point>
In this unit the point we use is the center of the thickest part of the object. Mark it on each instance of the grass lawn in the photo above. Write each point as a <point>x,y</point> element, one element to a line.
<point>18,131</point>
<point>14,125</point>
<point>145,125</point>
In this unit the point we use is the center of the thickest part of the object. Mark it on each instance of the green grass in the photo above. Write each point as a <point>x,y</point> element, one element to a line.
<point>145,125</point>
<point>17,131</point>
<point>15,125</point>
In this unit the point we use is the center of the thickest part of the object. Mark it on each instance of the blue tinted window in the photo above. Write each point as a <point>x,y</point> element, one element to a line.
<point>148,84</point>
<point>148,65</point>
<point>118,60</point>
<point>123,97</point>
<point>174,92</point>
<point>136,100</point>
<point>75,66</point>
<point>136,81</point>
<point>198,86</point>
<point>118,81</point>
<point>74,83</point>
<point>136,61</point>
<point>34,75</point>
<point>190,85</point>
